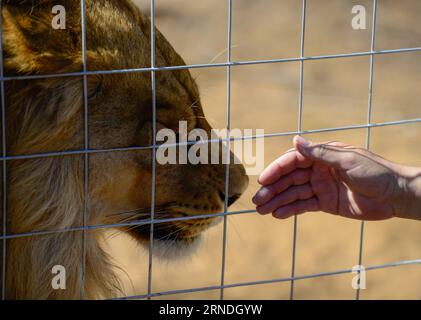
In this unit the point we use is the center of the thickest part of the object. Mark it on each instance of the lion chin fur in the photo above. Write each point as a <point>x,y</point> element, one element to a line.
<point>176,250</point>
<point>46,194</point>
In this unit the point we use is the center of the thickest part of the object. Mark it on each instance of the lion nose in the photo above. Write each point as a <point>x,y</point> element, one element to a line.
<point>231,199</point>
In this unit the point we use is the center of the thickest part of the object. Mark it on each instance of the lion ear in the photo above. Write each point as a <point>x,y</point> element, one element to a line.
<point>32,44</point>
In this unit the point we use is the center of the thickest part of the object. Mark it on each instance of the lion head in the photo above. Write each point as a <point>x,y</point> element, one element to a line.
<point>47,133</point>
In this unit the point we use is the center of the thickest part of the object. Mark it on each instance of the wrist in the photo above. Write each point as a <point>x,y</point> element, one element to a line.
<point>407,200</point>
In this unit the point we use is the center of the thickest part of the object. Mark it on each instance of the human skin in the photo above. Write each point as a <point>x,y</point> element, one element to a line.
<point>339,179</point>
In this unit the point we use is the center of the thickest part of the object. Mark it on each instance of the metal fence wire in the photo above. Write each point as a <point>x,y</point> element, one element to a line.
<point>229,64</point>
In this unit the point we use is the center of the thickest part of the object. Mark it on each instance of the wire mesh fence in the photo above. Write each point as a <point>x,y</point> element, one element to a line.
<point>86,151</point>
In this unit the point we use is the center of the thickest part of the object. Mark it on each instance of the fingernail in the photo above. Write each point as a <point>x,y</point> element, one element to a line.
<point>257,197</point>
<point>300,141</point>
<point>254,199</point>
<point>302,145</point>
<point>281,213</point>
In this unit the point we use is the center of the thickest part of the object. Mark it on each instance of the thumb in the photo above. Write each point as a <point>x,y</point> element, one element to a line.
<point>335,156</point>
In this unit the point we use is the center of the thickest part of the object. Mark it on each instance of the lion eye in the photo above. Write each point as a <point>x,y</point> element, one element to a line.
<point>96,92</point>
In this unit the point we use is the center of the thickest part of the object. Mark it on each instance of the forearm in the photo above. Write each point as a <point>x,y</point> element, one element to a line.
<point>408,201</point>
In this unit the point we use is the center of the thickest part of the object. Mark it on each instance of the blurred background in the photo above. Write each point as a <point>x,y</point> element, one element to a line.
<point>266,96</point>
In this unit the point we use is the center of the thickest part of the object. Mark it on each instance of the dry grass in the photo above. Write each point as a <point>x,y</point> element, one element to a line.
<point>266,96</point>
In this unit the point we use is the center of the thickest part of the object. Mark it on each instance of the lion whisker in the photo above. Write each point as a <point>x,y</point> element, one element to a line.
<point>176,231</point>
<point>146,211</point>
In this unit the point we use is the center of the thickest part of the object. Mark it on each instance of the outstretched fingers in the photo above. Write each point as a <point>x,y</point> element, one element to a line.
<point>296,208</point>
<point>266,193</point>
<point>291,195</point>
<point>282,166</point>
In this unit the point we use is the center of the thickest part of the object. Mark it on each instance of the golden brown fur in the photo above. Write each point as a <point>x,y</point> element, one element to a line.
<point>46,115</point>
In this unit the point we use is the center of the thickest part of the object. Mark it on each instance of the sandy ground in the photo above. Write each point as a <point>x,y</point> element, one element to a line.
<point>266,96</point>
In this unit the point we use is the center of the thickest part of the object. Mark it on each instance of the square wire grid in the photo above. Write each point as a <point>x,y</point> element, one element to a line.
<point>86,152</point>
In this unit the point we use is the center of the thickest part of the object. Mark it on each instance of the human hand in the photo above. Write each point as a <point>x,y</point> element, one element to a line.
<point>338,179</point>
